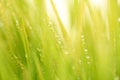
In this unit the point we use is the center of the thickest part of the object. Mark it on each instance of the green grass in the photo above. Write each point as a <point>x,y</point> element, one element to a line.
<point>35,47</point>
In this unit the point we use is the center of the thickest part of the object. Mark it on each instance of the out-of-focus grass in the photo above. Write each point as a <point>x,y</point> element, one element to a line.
<point>35,47</point>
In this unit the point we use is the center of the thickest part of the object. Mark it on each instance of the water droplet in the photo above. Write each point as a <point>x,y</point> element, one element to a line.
<point>17,23</point>
<point>86,50</point>
<point>58,38</point>
<point>26,56</point>
<point>51,28</point>
<point>59,41</point>
<point>66,52</point>
<point>88,57</point>
<point>83,39</point>
<point>38,49</point>
<point>15,57</point>
<point>50,22</point>
<point>29,26</point>
<point>82,36</point>
<point>21,65</point>
<point>88,63</point>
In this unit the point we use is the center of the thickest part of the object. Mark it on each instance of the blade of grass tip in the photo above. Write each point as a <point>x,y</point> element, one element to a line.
<point>103,45</point>
<point>28,52</point>
<point>38,67</point>
<point>7,70</point>
<point>26,47</point>
<point>99,29</point>
<point>79,13</point>
<point>115,9</point>
<point>92,52</point>
<point>64,32</point>
<point>114,36</point>
<point>7,31</point>
<point>89,52</point>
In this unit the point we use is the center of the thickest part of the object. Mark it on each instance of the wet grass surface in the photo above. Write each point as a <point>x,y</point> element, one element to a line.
<point>34,46</point>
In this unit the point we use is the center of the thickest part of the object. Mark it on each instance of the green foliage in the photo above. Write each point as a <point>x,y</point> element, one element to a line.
<point>34,47</point>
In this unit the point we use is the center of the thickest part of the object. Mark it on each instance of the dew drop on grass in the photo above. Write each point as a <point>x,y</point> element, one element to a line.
<point>66,52</point>
<point>26,56</point>
<point>38,49</point>
<point>15,57</point>
<point>83,39</point>
<point>88,62</point>
<point>82,36</point>
<point>86,50</point>
<point>29,26</point>
<point>58,38</point>
<point>17,23</point>
<point>21,65</point>
<point>88,57</point>
<point>59,42</point>
<point>80,61</point>
<point>52,28</point>
<point>50,23</point>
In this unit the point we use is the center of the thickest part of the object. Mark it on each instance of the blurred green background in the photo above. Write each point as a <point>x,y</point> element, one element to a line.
<point>59,39</point>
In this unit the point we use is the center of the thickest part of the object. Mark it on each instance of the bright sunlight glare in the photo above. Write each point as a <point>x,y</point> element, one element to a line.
<point>118,1</point>
<point>118,19</point>
<point>97,3</point>
<point>61,6</point>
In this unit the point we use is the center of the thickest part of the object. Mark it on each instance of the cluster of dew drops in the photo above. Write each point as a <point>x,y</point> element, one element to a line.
<point>87,56</point>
